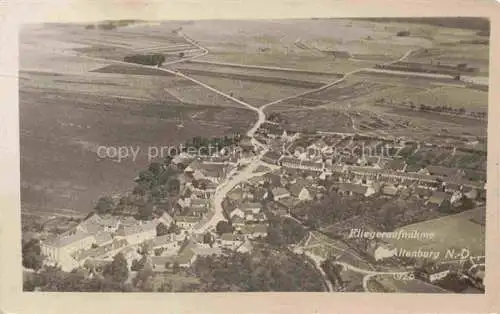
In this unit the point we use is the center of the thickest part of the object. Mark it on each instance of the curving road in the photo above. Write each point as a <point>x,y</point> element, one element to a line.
<point>340,80</point>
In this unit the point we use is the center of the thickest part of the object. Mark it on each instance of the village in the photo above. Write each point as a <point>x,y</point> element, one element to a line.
<point>293,170</point>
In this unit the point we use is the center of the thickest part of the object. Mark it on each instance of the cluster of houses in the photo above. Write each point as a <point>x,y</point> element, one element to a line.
<point>366,175</point>
<point>98,239</point>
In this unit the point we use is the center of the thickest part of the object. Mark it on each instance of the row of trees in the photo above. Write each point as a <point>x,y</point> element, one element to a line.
<point>146,59</point>
<point>199,142</point>
<point>443,108</point>
<point>448,109</point>
<point>153,185</point>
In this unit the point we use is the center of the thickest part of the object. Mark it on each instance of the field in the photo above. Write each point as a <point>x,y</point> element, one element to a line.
<point>72,100</point>
<point>405,286</point>
<point>68,109</point>
<point>303,44</point>
<point>451,232</point>
<point>287,77</point>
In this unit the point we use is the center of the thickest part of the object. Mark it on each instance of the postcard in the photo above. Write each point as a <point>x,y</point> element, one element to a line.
<point>292,157</point>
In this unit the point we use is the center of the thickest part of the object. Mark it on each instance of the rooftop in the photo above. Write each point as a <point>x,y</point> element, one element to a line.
<point>438,197</point>
<point>254,228</point>
<point>124,230</point>
<point>355,188</point>
<point>68,239</point>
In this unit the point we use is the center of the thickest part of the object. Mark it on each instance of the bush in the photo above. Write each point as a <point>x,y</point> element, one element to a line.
<point>148,59</point>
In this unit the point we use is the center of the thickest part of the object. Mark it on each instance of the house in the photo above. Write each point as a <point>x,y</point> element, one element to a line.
<point>438,197</point>
<point>295,163</point>
<point>352,189</point>
<point>398,165</point>
<point>162,263</point>
<point>59,250</point>
<point>259,194</point>
<point>373,161</point>
<point>167,241</point>
<point>231,241</point>
<point>254,231</point>
<point>245,247</point>
<point>91,225</point>
<point>299,190</point>
<point>110,223</point>
<point>252,207</point>
<point>199,203</point>
<point>277,208</point>
<point>192,167</point>
<point>271,157</point>
<point>452,187</point>
<point>237,222</point>
<point>95,265</point>
<point>475,175</point>
<point>186,222</point>
<point>423,193</point>
<point>215,175</point>
<point>280,193</point>
<point>195,211</point>
<point>211,171</point>
<point>274,179</point>
<point>186,257</point>
<point>166,219</point>
<point>455,197</point>
<point>103,238</point>
<point>252,217</point>
<point>444,171</point>
<point>413,168</point>
<point>384,251</point>
<point>237,213</point>
<point>436,272</point>
<point>107,251</point>
<point>137,233</point>
<point>389,189</point>
<point>182,158</point>
<point>470,193</point>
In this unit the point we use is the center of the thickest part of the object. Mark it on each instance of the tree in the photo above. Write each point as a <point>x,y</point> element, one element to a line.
<point>146,211</point>
<point>105,205</point>
<point>173,228</point>
<point>223,227</point>
<point>155,168</point>
<point>118,269</point>
<point>176,267</point>
<point>173,186</point>
<point>137,265</point>
<point>139,189</point>
<point>161,229</point>
<point>207,238</point>
<point>32,255</point>
<point>466,203</point>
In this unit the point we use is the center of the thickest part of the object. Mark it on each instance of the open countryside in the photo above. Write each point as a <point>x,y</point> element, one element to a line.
<point>334,155</point>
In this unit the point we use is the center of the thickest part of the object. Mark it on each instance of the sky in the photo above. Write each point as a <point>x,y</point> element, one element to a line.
<point>30,11</point>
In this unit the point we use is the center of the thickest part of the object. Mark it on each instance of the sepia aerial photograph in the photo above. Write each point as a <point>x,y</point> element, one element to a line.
<point>287,155</point>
